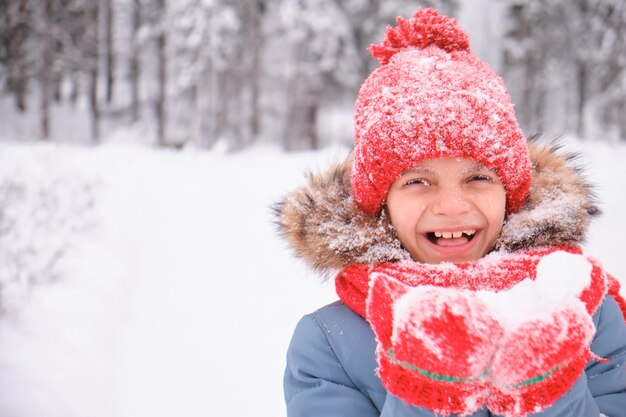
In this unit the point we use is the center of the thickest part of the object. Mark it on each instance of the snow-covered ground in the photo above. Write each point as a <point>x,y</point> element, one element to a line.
<point>174,295</point>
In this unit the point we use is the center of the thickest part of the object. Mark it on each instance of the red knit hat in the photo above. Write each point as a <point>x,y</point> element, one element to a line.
<point>432,98</point>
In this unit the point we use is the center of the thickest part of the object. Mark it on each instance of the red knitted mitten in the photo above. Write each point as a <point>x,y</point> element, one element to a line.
<point>540,361</point>
<point>541,356</point>
<point>435,344</point>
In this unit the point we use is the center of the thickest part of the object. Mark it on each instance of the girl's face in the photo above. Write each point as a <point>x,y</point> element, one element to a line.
<point>447,210</point>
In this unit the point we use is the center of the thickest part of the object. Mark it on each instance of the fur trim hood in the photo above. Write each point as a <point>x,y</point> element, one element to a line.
<point>325,228</point>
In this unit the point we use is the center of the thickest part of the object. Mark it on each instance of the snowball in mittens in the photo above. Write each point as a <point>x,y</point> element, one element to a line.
<point>547,332</point>
<point>560,279</point>
<point>432,98</point>
<point>540,361</point>
<point>435,344</point>
<point>446,331</point>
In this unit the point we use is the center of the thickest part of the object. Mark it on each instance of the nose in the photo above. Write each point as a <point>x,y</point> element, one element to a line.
<point>450,202</point>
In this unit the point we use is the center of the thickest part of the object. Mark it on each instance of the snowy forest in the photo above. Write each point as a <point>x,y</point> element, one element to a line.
<point>238,72</point>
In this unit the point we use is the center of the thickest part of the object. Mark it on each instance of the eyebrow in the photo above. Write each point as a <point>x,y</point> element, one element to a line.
<point>425,170</point>
<point>476,167</point>
<point>419,170</point>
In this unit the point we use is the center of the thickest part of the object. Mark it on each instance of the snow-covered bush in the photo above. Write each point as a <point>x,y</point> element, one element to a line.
<point>43,208</point>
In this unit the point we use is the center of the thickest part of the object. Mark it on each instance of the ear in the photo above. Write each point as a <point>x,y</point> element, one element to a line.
<point>384,291</point>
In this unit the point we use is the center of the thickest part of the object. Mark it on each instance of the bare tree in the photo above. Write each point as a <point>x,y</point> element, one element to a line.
<point>109,50</point>
<point>15,34</point>
<point>45,68</point>
<point>321,58</point>
<point>93,52</point>
<point>134,65</point>
<point>159,105</point>
<point>253,15</point>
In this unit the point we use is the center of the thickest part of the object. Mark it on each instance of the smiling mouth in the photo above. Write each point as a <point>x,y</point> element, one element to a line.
<point>450,239</point>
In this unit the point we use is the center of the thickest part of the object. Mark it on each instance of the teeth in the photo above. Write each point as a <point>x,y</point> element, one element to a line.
<point>449,235</point>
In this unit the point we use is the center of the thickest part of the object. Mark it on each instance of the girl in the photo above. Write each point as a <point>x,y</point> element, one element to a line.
<point>463,289</point>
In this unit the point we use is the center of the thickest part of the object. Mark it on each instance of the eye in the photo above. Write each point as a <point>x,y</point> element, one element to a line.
<point>480,177</point>
<point>416,181</point>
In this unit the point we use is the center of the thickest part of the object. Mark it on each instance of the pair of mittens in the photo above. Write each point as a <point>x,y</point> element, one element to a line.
<point>454,351</point>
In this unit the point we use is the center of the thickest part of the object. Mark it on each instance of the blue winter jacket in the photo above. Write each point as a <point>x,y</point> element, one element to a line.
<point>331,370</point>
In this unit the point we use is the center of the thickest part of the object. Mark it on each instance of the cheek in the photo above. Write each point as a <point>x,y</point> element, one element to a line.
<point>494,208</point>
<point>404,214</point>
<point>405,209</point>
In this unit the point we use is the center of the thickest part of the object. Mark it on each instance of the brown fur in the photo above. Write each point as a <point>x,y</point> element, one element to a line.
<point>328,231</point>
<point>558,209</point>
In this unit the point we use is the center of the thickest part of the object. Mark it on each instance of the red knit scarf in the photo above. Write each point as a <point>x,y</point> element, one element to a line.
<point>448,353</point>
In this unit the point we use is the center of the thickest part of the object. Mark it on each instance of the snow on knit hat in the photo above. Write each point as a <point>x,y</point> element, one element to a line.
<point>432,98</point>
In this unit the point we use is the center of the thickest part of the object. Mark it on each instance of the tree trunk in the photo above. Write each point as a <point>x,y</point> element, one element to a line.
<point>45,72</point>
<point>301,121</point>
<point>57,80</point>
<point>310,125</point>
<point>301,131</point>
<point>254,70</point>
<point>526,115</point>
<point>219,109</point>
<point>211,108</point>
<point>135,69</point>
<point>17,79</point>
<point>110,51</point>
<point>93,72</point>
<point>619,120</point>
<point>582,80</point>
<point>75,81</point>
<point>161,77</point>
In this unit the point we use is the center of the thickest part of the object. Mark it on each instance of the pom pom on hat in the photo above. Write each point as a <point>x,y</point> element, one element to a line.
<point>432,98</point>
<point>425,29</point>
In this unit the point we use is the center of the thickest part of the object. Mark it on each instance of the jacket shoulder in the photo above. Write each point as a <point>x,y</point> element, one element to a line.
<point>609,341</point>
<point>334,343</point>
<point>607,379</point>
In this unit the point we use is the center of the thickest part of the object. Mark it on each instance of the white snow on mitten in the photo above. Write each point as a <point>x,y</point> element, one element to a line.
<point>561,277</point>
